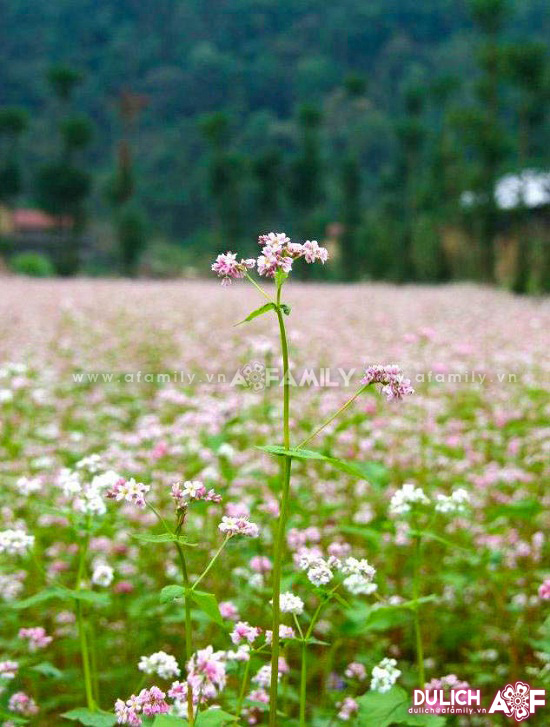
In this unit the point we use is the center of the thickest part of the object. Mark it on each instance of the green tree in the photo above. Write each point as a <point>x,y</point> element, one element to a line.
<point>13,123</point>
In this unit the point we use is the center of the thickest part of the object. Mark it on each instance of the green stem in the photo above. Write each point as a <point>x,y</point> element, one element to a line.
<point>303,685</point>
<point>209,566</point>
<point>84,650</point>
<point>341,410</point>
<point>258,287</point>
<point>283,515</point>
<point>416,596</point>
<point>188,631</point>
<point>242,690</point>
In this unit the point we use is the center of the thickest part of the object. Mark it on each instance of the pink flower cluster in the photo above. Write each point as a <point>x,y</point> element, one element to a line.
<point>148,702</point>
<point>192,491</point>
<point>37,637</point>
<point>227,267</point>
<point>393,384</point>
<point>129,491</point>
<point>544,590</point>
<point>21,703</point>
<point>8,669</point>
<point>205,677</point>
<point>348,709</point>
<point>278,253</point>
<point>238,526</point>
<point>243,631</point>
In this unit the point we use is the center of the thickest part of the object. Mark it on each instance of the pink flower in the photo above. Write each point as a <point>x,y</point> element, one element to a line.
<point>152,701</point>
<point>312,252</point>
<point>544,590</point>
<point>37,637</point>
<point>227,267</point>
<point>393,384</point>
<point>229,611</point>
<point>130,491</point>
<point>348,708</point>
<point>238,526</point>
<point>260,564</point>
<point>243,631</point>
<point>22,704</point>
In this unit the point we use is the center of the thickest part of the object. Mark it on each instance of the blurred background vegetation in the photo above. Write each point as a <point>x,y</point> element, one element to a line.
<point>143,136</point>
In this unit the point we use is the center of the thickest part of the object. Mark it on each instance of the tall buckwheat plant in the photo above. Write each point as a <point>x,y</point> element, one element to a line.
<point>278,254</point>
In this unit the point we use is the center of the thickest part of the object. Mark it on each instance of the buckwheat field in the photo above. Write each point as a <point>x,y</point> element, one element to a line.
<point>294,521</point>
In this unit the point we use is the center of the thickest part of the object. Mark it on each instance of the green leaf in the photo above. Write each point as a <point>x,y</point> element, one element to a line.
<point>391,708</point>
<point>89,718</point>
<point>258,312</point>
<point>48,594</point>
<point>208,604</point>
<point>169,593</point>
<point>100,599</point>
<point>47,670</point>
<point>349,468</point>
<point>439,539</point>
<point>168,720</point>
<point>214,718</point>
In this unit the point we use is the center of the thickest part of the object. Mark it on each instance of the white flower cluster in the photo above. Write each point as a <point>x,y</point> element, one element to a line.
<point>87,497</point>
<point>360,573</point>
<point>28,485</point>
<point>290,603</point>
<point>454,504</point>
<point>160,663</point>
<point>403,500</point>
<point>15,542</point>
<point>384,676</point>
<point>102,574</point>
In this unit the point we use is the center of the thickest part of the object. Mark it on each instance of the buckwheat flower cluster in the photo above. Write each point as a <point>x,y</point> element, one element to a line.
<point>22,704</point>
<point>238,526</point>
<point>285,632</point>
<point>28,485</point>
<point>241,654</point>
<point>360,575</point>
<point>87,497</point>
<point>129,491</point>
<point>37,637</point>
<point>160,663</point>
<point>289,603</point>
<point>544,590</point>
<point>347,709</point>
<point>148,702</point>
<point>227,267</point>
<point>454,504</point>
<point>404,499</point>
<point>317,568</point>
<point>392,382</point>
<point>192,491</point>
<point>102,574</point>
<point>15,541</point>
<point>8,669</point>
<point>278,253</point>
<point>206,677</point>
<point>243,631</point>
<point>356,670</point>
<point>384,675</point>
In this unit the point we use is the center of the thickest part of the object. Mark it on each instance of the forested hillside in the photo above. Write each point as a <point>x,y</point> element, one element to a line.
<point>296,113</point>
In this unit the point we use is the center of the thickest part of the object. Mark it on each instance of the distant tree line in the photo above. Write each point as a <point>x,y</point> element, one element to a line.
<point>387,179</point>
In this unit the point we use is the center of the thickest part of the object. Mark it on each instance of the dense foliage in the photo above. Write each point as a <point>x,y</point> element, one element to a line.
<point>255,113</point>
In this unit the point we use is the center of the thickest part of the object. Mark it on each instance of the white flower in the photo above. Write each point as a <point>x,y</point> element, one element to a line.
<point>359,585</point>
<point>238,526</point>
<point>91,463</point>
<point>289,603</point>
<point>69,482</point>
<point>320,575</point>
<point>28,485</point>
<point>102,575</point>
<point>15,542</point>
<point>454,504</point>
<point>402,501</point>
<point>354,566</point>
<point>160,663</point>
<point>384,676</point>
